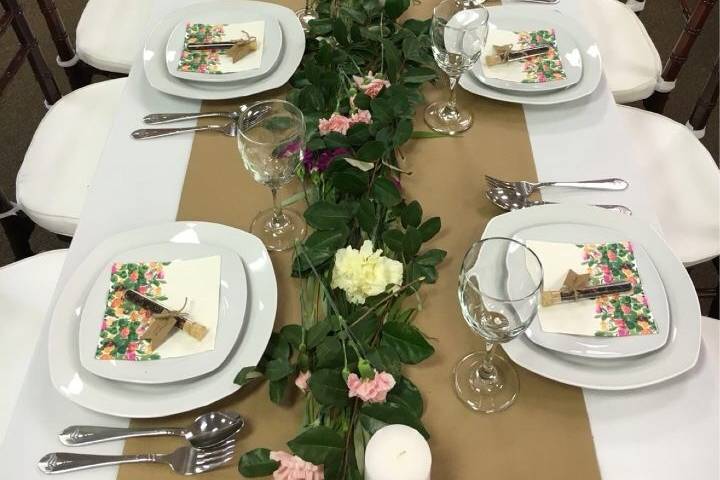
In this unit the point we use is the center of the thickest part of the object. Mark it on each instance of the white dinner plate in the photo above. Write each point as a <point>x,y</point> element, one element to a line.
<point>680,352</point>
<point>293,47</point>
<point>542,16</point>
<point>143,401</point>
<point>603,347</point>
<point>271,49</point>
<point>567,50</point>
<point>231,316</point>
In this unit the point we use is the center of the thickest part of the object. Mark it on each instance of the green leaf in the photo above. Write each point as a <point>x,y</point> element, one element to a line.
<point>317,333</point>
<point>292,334</point>
<point>257,463</point>
<point>412,240</point>
<point>385,359</point>
<point>371,151</point>
<point>352,181</point>
<point>407,341</point>
<point>358,134</point>
<point>393,60</point>
<point>358,16</point>
<point>321,26</point>
<point>323,215</point>
<point>319,445</point>
<point>407,395</point>
<point>425,134</point>
<point>277,390</point>
<point>393,239</point>
<point>278,369</point>
<point>374,416</point>
<point>430,228</point>
<point>311,257</point>
<point>403,131</point>
<point>335,140</point>
<point>431,257</point>
<point>311,98</point>
<point>328,387</point>
<point>362,101</point>
<point>328,239</point>
<point>418,27</point>
<point>360,165</point>
<point>247,375</point>
<point>366,216</point>
<point>340,32</point>
<point>278,347</point>
<point>386,192</point>
<point>411,214</point>
<point>395,8</point>
<point>329,354</point>
<point>419,75</point>
<point>278,123</point>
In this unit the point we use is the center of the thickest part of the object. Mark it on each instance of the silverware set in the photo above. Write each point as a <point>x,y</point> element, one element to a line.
<point>211,437</point>
<point>229,129</point>
<point>516,194</point>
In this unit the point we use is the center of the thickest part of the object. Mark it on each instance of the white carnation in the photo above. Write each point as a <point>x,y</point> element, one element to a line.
<point>364,273</point>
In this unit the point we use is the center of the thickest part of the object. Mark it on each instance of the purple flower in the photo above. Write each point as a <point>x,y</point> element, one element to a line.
<point>320,160</point>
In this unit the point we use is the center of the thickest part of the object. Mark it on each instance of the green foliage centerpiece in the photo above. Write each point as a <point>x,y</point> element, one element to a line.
<point>363,265</point>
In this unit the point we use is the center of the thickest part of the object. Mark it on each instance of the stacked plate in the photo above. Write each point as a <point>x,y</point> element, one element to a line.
<point>576,49</point>
<point>155,388</point>
<point>609,363</point>
<point>282,48</point>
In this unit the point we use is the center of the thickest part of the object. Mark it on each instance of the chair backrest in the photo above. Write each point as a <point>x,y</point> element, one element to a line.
<point>13,16</point>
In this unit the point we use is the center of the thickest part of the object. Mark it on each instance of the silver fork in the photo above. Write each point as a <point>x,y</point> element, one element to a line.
<point>161,118</point>
<point>526,188</point>
<point>229,129</point>
<point>185,460</point>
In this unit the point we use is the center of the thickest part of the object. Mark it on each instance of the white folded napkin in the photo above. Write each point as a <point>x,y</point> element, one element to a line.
<point>214,62</point>
<point>613,315</point>
<point>168,283</point>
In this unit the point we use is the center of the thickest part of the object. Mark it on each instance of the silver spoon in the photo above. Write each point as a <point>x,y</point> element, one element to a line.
<point>513,200</point>
<point>207,430</point>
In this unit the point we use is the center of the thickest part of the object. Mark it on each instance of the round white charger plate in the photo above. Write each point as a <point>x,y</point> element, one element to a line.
<point>159,400</point>
<point>525,17</point>
<point>678,355</point>
<point>603,347</point>
<point>232,291</point>
<point>271,48</point>
<point>293,47</point>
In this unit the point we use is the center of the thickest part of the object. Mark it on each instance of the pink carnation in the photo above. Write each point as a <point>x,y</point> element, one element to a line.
<point>301,381</point>
<point>336,123</point>
<point>293,467</point>
<point>372,391</point>
<point>370,85</point>
<point>361,116</point>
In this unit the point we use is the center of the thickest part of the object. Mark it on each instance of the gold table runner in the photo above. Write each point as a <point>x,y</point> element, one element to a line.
<point>544,435</point>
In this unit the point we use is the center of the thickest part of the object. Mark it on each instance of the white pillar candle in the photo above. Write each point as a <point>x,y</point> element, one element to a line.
<point>397,452</point>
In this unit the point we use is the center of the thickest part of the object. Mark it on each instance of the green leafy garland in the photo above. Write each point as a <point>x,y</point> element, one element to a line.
<point>353,190</point>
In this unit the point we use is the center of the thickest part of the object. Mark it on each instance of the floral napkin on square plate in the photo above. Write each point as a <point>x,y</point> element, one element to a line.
<point>169,283</point>
<point>615,315</point>
<point>538,69</point>
<point>216,61</point>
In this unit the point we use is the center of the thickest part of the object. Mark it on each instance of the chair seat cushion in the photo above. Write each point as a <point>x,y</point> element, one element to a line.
<point>630,60</point>
<point>60,162</point>
<point>26,288</point>
<point>682,181</point>
<point>110,33</point>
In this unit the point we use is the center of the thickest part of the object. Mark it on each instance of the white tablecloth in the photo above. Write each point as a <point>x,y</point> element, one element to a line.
<point>661,432</point>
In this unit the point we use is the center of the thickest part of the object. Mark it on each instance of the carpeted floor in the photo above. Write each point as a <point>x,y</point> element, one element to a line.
<point>21,107</point>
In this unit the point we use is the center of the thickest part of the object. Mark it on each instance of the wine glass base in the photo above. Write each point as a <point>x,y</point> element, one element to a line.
<point>278,236</point>
<point>441,118</point>
<point>305,15</point>
<point>485,395</point>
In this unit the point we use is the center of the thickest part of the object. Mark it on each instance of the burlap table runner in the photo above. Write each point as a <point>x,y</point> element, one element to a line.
<point>544,435</point>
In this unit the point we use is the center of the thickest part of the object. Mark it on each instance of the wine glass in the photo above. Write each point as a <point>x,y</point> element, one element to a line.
<point>305,15</point>
<point>499,289</point>
<point>271,140</point>
<point>458,32</point>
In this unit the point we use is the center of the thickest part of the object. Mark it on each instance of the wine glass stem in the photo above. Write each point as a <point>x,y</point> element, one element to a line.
<point>452,102</point>
<point>487,370</point>
<point>278,219</point>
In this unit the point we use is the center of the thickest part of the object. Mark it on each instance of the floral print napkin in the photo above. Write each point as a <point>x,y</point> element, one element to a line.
<point>537,69</point>
<point>216,61</point>
<point>170,283</point>
<point>616,315</point>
